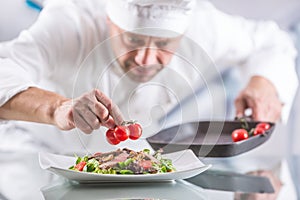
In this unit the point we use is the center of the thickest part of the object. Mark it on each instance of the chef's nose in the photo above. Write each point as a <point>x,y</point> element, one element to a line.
<point>146,56</point>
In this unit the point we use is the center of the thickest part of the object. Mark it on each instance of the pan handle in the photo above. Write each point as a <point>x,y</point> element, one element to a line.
<point>246,117</point>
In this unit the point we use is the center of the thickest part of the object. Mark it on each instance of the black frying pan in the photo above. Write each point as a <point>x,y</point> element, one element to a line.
<point>208,138</point>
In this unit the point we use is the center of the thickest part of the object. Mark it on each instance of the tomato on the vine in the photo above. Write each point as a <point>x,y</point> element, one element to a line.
<point>239,134</point>
<point>265,126</point>
<point>121,133</point>
<point>135,131</point>
<point>111,138</point>
<point>128,129</point>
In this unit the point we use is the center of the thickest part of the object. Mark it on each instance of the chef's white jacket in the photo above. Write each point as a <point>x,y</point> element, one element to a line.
<point>68,51</point>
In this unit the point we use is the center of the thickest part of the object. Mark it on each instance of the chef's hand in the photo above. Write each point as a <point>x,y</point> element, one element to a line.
<point>88,112</point>
<point>261,96</point>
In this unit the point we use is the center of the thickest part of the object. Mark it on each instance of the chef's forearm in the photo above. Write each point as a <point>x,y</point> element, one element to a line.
<point>34,105</point>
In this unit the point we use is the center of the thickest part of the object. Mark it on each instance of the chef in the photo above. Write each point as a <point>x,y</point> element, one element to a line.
<point>84,67</point>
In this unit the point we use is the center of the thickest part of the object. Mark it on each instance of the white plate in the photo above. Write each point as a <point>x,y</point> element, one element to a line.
<point>186,163</point>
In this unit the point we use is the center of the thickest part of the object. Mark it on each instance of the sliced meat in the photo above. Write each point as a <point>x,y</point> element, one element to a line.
<point>112,163</point>
<point>142,162</point>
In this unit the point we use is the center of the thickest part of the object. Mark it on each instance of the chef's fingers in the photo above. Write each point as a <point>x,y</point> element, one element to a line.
<point>247,105</point>
<point>109,123</point>
<point>255,108</point>
<point>267,109</point>
<point>91,118</point>
<point>103,115</point>
<point>112,108</point>
<point>116,114</point>
<point>81,123</point>
<point>240,106</point>
<point>83,112</point>
<point>258,105</point>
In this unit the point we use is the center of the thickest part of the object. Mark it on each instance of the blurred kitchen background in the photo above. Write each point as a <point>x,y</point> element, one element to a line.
<point>16,15</point>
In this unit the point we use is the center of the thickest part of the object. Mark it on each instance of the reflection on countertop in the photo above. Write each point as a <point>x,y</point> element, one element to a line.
<point>149,191</point>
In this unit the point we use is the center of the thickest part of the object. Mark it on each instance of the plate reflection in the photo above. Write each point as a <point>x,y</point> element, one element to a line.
<point>124,191</point>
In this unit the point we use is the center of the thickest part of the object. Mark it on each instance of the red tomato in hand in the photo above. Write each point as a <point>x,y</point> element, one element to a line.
<point>80,165</point>
<point>122,133</point>
<point>135,131</point>
<point>111,138</point>
<point>258,131</point>
<point>263,125</point>
<point>239,134</point>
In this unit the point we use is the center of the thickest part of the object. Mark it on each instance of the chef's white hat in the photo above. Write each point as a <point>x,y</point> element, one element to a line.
<point>160,18</point>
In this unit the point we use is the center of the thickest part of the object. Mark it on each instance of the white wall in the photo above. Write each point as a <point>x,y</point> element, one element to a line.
<point>284,12</point>
<point>15,16</point>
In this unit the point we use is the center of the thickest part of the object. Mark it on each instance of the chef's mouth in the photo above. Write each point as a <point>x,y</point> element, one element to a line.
<point>143,73</point>
<point>144,70</point>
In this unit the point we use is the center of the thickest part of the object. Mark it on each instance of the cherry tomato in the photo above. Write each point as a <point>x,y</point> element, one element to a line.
<point>239,134</point>
<point>258,131</point>
<point>111,138</point>
<point>135,131</point>
<point>122,133</point>
<point>263,125</point>
<point>80,165</point>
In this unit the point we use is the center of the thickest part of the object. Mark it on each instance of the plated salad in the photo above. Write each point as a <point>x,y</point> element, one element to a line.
<point>124,161</point>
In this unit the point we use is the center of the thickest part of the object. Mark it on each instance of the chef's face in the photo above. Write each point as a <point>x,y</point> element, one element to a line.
<point>141,57</point>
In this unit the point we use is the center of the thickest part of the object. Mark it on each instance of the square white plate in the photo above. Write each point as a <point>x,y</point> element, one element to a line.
<point>186,163</point>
